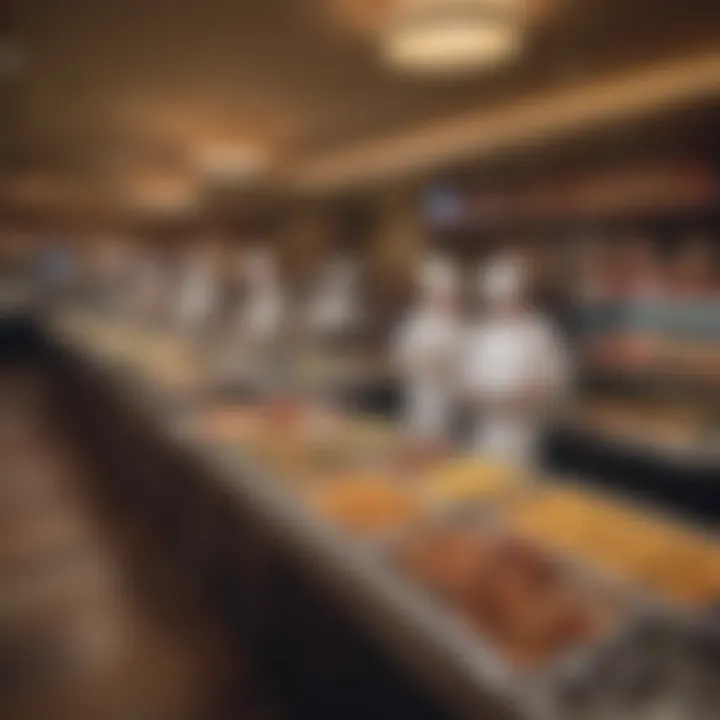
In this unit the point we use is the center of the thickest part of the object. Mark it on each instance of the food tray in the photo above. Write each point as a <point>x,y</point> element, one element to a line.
<point>495,542</point>
<point>425,635</point>
<point>637,520</point>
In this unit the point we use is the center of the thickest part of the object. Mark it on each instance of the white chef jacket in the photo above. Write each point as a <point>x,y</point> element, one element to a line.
<point>505,358</point>
<point>425,336</point>
<point>260,324</point>
<point>261,317</point>
<point>197,297</point>
<point>335,305</point>
<point>334,310</point>
<point>149,284</point>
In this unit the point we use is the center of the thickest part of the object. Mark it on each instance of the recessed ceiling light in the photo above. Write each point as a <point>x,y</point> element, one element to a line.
<point>164,196</point>
<point>452,35</point>
<point>232,163</point>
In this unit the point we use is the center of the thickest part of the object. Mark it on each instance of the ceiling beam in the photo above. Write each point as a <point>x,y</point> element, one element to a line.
<point>635,93</point>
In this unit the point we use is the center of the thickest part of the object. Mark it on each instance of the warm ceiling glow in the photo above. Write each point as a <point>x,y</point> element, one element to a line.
<point>452,35</point>
<point>451,47</point>
<point>164,196</point>
<point>543,116</point>
<point>232,163</point>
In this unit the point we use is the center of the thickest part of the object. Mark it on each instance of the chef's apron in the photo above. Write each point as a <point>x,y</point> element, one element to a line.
<point>196,303</point>
<point>428,409</point>
<point>505,363</point>
<point>507,441</point>
<point>260,359</point>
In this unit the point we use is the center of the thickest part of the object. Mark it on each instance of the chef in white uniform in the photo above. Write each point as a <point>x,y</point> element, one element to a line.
<point>426,348</point>
<point>262,316</point>
<point>516,367</point>
<point>335,304</point>
<point>148,287</point>
<point>198,292</point>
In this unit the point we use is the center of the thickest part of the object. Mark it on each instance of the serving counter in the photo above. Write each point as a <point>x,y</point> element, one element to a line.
<point>443,672</point>
<point>299,583</point>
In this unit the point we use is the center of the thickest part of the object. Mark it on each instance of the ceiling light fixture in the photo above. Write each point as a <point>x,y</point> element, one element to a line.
<point>232,163</point>
<point>164,196</point>
<point>436,36</point>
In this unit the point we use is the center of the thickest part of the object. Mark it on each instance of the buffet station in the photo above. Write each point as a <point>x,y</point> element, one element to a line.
<point>648,414</point>
<point>477,591</point>
<point>625,262</point>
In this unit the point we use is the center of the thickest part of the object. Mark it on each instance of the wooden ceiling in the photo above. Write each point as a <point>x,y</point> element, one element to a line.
<point>112,88</point>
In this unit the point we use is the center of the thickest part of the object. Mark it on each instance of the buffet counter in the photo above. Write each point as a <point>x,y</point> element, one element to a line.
<point>671,462</point>
<point>505,596</point>
<point>653,435</point>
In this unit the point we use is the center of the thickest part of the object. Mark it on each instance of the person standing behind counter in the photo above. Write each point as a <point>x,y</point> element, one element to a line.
<point>335,308</point>
<point>198,292</point>
<point>426,348</point>
<point>261,320</point>
<point>515,367</point>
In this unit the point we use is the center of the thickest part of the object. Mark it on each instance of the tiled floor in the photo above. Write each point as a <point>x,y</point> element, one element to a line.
<point>93,626</point>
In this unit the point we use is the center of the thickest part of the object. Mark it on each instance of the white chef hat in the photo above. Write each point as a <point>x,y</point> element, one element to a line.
<point>437,275</point>
<point>503,279</point>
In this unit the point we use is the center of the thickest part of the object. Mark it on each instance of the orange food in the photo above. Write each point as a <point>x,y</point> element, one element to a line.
<point>227,424</point>
<point>285,412</point>
<point>677,564</point>
<point>414,457</point>
<point>509,590</point>
<point>367,504</point>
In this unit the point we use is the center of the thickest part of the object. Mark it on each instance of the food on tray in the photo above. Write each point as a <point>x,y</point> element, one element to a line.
<point>294,460</point>
<point>514,594</point>
<point>367,503</point>
<point>469,479</point>
<point>231,424</point>
<point>302,420</point>
<point>297,441</point>
<point>372,436</point>
<point>411,458</point>
<point>676,563</point>
<point>285,412</point>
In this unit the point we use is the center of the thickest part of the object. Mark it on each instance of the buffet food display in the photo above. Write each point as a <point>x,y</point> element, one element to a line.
<point>367,503</point>
<point>510,591</point>
<point>534,570</point>
<point>679,565</point>
<point>469,480</point>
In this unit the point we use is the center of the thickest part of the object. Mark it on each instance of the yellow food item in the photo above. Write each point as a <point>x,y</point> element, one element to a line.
<point>367,503</point>
<point>676,563</point>
<point>468,480</point>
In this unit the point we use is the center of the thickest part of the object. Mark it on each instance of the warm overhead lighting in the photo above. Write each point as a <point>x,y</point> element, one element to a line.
<point>232,163</point>
<point>164,196</point>
<point>452,35</point>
